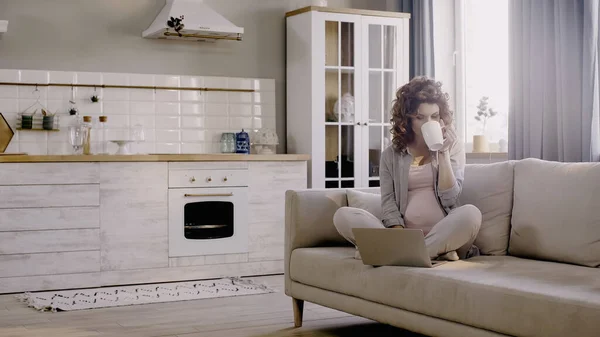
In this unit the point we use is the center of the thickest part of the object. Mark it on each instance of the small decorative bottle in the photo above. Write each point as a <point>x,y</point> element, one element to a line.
<point>103,146</point>
<point>87,121</point>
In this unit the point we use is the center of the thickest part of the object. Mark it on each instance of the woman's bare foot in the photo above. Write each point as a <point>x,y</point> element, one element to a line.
<point>449,256</point>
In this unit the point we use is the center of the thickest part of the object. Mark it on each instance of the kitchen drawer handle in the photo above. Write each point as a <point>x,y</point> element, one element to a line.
<point>204,226</point>
<point>209,195</point>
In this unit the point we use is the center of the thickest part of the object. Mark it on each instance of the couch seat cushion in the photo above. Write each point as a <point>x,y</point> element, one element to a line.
<point>505,294</point>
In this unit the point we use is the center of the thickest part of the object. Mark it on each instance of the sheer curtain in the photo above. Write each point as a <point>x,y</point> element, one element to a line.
<point>553,76</point>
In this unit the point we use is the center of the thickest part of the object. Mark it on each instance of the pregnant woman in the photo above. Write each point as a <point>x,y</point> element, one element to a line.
<point>420,187</point>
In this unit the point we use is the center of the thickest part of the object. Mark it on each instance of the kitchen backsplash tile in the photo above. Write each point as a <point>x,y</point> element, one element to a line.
<point>167,95</point>
<point>7,105</point>
<point>115,79</point>
<point>192,109</point>
<point>141,108</point>
<point>10,75</point>
<point>168,122</point>
<point>64,77</point>
<point>215,109</point>
<point>168,136</point>
<point>9,92</point>
<point>147,121</point>
<point>174,121</point>
<point>35,76</point>
<point>82,77</point>
<point>191,81</point>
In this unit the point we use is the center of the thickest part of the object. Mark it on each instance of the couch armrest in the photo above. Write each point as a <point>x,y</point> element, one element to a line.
<point>309,221</point>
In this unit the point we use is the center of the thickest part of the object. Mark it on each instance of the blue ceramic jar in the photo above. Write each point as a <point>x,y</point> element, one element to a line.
<point>242,142</point>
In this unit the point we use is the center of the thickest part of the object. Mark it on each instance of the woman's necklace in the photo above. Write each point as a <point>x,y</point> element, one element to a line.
<point>420,160</point>
<point>420,157</point>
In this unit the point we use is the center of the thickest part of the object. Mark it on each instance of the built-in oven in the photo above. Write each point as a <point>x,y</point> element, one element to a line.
<point>208,212</point>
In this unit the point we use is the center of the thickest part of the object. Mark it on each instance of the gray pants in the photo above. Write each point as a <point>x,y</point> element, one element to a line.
<point>455,232</point>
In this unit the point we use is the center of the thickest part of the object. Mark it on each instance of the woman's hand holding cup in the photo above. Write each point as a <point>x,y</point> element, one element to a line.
<point>449,136</point>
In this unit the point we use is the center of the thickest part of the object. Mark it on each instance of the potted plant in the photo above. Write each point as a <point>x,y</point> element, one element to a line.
<point>480,143</point>
<point>47,120</point>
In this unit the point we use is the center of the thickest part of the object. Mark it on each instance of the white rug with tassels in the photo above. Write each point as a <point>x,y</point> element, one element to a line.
<point>141,294</point>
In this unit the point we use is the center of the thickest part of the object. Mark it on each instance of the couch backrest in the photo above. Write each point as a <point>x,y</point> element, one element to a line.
<point>489,187</point>
<point>556,213</point>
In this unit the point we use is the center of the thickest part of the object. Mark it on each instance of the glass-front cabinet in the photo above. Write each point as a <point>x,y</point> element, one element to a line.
<point>342,73</point>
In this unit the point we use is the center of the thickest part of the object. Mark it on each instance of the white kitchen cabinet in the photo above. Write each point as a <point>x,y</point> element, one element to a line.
<point>108,224</point>
<point>133,215</point>
<point>343,69</point>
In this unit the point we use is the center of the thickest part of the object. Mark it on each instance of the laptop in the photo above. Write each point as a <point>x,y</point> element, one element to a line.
<point>393,247</point>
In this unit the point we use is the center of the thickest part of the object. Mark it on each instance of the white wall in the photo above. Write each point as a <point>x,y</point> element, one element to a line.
<point>105,36</point>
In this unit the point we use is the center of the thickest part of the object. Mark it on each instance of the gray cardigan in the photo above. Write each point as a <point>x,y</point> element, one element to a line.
<point>393,172</point>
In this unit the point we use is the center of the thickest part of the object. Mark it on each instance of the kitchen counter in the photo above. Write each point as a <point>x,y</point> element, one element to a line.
<point>7,158</point>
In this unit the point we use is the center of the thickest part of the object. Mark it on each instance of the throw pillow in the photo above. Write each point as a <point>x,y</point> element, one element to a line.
<point>489,187</point>
<point>370,202</point>
<point>555,214</point>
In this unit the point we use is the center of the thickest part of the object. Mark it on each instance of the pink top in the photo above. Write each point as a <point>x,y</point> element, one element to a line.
<point>422,210</point>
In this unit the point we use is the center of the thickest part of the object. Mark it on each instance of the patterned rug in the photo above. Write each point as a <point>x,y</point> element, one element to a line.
<point>141,294</point>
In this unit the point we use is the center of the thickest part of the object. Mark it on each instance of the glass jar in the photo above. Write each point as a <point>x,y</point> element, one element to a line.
<point>102,135</point>
<point>87,123</point>
<point>227,142</point>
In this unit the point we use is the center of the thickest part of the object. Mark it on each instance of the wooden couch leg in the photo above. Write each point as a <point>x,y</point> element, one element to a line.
<point>298,310</point>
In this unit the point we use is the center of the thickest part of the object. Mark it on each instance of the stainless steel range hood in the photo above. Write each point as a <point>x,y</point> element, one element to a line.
<point>199,23</point>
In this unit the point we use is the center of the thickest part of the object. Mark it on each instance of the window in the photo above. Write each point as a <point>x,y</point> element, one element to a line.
<point>482,73</point>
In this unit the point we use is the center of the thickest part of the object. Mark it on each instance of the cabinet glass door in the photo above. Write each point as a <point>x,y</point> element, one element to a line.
<point>342,160</point>
<point>385,58</point>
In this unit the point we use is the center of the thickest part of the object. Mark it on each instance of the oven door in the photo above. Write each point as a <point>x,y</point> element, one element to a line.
<point>205,221</point>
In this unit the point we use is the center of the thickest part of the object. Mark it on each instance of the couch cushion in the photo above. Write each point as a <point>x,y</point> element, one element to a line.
<point>555,214</point>
<point>489,187</point>
<point>369,201</point>
<point>505,294</point>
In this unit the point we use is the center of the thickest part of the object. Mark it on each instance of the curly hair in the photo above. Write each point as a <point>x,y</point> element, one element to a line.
<point>408,98</point>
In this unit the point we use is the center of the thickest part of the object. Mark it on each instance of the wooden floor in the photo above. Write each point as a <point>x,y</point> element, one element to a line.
<point>255,315</point>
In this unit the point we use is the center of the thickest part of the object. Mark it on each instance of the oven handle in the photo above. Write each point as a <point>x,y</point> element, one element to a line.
<point>209,195</point>
<point>204,226</point>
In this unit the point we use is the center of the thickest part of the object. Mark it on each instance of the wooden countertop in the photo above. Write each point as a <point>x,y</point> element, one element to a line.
<point>7,158</point>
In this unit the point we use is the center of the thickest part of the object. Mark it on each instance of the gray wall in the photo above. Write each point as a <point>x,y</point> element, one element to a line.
<point>105,35</point>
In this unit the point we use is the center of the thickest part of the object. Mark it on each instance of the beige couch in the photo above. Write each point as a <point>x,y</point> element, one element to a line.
<point>539,277</point>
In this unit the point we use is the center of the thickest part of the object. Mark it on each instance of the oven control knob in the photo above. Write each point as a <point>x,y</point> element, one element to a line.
<point>192,179</point>
<point>209,179</point>
<point>225,179</point>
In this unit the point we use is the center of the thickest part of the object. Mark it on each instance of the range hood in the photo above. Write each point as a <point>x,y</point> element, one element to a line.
<point>199,23</point>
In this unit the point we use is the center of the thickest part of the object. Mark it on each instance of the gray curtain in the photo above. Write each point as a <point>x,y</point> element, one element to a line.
<point>553,80</point>
<point>421,36</point>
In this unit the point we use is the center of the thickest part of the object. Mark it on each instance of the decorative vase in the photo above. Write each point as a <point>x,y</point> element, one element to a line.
<point>480,144</point>
<point>242,142</point>
<point>344,108</point>
<point>502,145</point>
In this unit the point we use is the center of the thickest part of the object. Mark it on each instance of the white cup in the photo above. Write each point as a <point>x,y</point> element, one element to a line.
<point>432,134</point>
